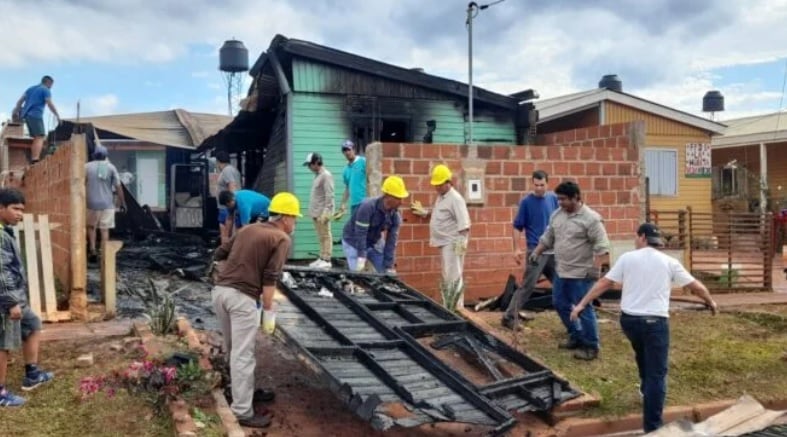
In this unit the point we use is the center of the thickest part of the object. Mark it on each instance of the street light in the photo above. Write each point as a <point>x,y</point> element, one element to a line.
<point>472,10</point>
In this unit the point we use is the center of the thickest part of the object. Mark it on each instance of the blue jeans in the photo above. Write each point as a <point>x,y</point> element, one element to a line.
<point>373,256</point>
<point>649,337</point>
<point>567,292</point>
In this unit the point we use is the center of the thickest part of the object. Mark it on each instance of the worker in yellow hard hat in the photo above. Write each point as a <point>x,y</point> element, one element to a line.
<point>373,229</point>
<point>253,261</point>
<point>449,230</point>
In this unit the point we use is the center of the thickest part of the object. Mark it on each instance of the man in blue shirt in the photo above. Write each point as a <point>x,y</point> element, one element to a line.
<point>32,112</point>
<point>532,219</point>
<point>354,178</point>
<point>246,206</point>
<point>362,237</point>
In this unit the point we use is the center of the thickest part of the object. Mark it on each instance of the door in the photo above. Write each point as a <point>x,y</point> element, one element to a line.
<point>148,182</point>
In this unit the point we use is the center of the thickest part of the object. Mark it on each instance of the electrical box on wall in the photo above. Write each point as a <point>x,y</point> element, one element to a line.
<point>475,190</point>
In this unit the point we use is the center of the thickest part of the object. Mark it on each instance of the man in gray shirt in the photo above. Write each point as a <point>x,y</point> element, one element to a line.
<point>229,180</point>
<point>321,204</point>
<point>577,235</point>
<point>101,181</point>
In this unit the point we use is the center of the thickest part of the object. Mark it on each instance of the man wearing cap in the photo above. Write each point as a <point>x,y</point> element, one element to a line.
<point>647,276</point>
<point>321,204</point>
<point>449,229</point>
<point>101,183</point>
<point>363,238</point>
<point>254,259</point>
<point>354,177</point>
<point>30,108</point>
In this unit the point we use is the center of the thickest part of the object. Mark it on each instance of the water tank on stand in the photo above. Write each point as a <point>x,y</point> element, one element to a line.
<point>713,101</point>
<point>233,57</point>
<point>611,82</point>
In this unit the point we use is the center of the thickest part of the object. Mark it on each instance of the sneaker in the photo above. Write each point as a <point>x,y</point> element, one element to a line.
<point>256,421</point>
<point>41,377</point>
<point>315,263</point>
<point>262,395</point>
<point>322,264</point>
<point>8,399</point>
<point>586,354</point>
<point>509,323</point>
<point>570,344</point>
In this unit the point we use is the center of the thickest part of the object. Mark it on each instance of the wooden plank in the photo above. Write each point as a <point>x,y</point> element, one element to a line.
<point>47,268</point>
<point>109,250</point>
<point>31,256</point>
<point>78,297</point>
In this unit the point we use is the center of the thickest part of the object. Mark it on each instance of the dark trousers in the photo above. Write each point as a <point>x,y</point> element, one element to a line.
<point>567,292</point>
<point>649,337</point>
<point>545,265</point>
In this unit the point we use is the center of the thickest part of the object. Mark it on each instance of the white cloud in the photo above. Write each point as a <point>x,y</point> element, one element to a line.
<point>4,117</point>
<point>106,104</point>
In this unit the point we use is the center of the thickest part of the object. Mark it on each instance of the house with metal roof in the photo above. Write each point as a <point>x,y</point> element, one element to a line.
<point>750,163</point>
<point>307,98</point>
<point>676,159</point>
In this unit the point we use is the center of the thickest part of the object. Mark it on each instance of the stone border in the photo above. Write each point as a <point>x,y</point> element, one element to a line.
<point>179,409</point>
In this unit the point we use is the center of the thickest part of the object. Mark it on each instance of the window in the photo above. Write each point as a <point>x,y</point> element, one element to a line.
<point>661,168</point>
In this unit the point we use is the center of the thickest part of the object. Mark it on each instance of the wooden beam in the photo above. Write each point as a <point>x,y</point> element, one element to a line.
<point>31,258</point>
<point>78,297</point>
<point>47,268</point>
<point>109,250</point>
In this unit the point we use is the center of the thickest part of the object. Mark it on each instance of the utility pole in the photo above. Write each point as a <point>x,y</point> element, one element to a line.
<point>472,10</point>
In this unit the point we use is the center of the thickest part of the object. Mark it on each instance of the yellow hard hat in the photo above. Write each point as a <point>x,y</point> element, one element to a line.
<point>285,204</point>
<point>394,186</point>
<point>441,174</point>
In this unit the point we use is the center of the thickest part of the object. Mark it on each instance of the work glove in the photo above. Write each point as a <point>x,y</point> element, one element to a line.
<point>460,246</point>
<point>360,265</point>
<point>390,272</point>
<point>418,209</point>
<point>324,218</point>
<point>339,214</point>
<point>269,321</point>
<point>533,258</point>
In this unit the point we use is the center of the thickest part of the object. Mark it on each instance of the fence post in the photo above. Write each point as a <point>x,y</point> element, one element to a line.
<point>768,254</point>
<point>78,300</point>
<point>682,228</point>
<point>687,251</point>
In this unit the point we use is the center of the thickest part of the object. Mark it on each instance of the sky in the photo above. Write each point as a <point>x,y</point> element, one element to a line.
<point>150,55</point>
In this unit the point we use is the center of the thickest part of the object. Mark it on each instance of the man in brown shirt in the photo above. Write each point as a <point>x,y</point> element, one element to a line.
<point>253,261</point>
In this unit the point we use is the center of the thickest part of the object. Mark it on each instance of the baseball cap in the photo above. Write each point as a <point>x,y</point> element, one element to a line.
<point>651,233</point>
<point>312,158</point>
<point>348,145</point>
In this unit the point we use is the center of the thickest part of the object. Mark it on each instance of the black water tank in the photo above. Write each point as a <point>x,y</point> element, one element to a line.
<point>611,82</point>
<point>233,57</point>
<point>713,101</point>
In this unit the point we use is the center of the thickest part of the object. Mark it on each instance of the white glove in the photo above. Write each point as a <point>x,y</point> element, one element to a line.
<point>460,246</point>
<point>269,321</point>
<point>360,265</point>
<point>380,245</point>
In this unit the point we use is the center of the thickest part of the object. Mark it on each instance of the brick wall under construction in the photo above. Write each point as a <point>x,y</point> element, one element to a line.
<point>603,160</point>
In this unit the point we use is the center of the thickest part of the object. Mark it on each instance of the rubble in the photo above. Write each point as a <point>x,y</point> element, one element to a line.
<point>85,360</point>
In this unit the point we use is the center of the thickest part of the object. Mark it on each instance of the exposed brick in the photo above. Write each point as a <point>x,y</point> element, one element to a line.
<point>411,150</point>
<point>570,153</point>
<point>538,152</point>
<point>600,183</point>
<point>616,184</point>
<point>512,199</point>
<point>495,199</point>
<point>519,184</point>
<point>511,168</point>
<point>494,168</point>
<point>420,233</point>
<point>581,134</point>
<point>391,150</point>
<point>527,168</point>
<point>449,152</point>
<point>498,184</point>
<point>421,167</point>
<point>554,153</point>
<point>626,169</point>
<point>624,197</point>
<point>577,168</point>
<point>608,198</point>
<point>431,151</point>
<point>519,153</point>
<point>402,167</point>
<point>560,169</point>
<point>485,152</point>
<point>617,154</point>
<point>618,130</point>
<point>587,153</point>
<point>501,152</point>
<point>592,169</point>
<point>599,142</point>
<point>593,132</point>
<point>608,169</point>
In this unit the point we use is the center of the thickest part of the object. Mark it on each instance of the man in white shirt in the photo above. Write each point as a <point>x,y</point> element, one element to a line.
<point>647,276</point>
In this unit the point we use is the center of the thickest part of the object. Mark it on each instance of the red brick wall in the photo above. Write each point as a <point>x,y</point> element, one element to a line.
<point>47,189</point>
<point>603,160</point>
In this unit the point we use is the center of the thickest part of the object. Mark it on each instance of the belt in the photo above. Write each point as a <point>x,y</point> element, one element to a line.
<point>631,316</point>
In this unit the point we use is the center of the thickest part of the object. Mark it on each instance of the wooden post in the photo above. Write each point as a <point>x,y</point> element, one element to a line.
<point>31,258</point>
<point>47,268</point>
<point>109,250</point>
<point>78,299</point>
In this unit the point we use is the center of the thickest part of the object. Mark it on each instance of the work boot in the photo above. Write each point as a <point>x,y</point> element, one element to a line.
<point>509,323</point>
<point>262,395</point>
<point>586,354</point>
<point>570,344</point>
<point>256,421</point>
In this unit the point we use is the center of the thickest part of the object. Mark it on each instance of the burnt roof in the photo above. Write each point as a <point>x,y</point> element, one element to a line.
<point>285,47</point>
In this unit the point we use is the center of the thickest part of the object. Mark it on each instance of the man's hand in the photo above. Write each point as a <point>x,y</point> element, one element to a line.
<point>15,312</point>
<point>533,258</point>
<point>575,312</point>
<point>519,256</point>
<point>714,309</point>
<point>324,218</point>
<point>460,246</point>
<point>417,209</point>
<point>340,213</point>
<point>360,265</point>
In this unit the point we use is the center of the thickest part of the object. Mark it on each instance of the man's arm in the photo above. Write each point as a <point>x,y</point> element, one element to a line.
<point>597,235</point>
<point>7,282</point>
<point>698,288</point>
<point>271,272</point>
<point>363,219</point>
<point>602,285</point>
<point>52,108</point>
<point>330,203</point>
<point>19,104</point>
<point>391,238</point>
<point>518,232</point>
<point>119,187</point>
<point>223,251</point>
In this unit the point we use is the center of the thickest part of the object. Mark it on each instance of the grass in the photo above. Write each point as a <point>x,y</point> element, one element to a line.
<point>56,409</point>
<point>711,358</point>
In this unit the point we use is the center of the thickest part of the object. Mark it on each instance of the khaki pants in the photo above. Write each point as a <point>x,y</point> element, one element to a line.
<point>239,321</point>
<point>453,268</point>
<point>326,240</point>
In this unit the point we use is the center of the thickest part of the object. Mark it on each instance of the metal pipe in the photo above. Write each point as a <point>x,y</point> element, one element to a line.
<point>470,9</point>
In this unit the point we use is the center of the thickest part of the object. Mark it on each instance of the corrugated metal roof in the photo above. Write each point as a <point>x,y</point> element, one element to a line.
<point>173,128</point>
<point>767,128</point>
<point>556,107</point>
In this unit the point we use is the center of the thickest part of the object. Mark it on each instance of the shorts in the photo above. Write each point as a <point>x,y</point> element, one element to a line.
<point>101,218</point>
<point>223,214</point>
<point>35,127</point>
<point>17,331</point>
